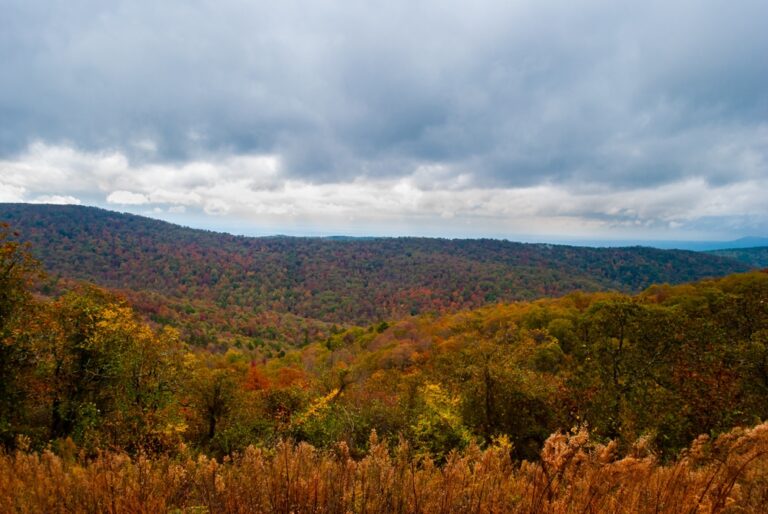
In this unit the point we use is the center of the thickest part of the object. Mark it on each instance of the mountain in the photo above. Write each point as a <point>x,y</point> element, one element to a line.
<point>82,374</point>
<point>705,246</point>
<point>746,242</point>
<point>755,257</point>
<point>334,280</point>
<point>696,246</point>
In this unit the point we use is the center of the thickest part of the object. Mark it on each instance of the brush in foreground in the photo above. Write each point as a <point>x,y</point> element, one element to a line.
<point>575,474</point>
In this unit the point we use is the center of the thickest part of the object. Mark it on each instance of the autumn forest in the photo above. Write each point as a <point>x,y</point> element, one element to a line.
<point>146,367</point>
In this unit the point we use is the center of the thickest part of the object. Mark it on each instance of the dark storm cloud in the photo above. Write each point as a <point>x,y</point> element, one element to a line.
<point>510,93</point>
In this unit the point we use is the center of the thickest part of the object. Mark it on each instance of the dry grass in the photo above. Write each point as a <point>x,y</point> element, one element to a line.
<point>575,475</point>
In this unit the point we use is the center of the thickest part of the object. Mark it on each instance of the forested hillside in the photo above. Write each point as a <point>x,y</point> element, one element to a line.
<point>520,369</point>
<point>333,280</point>
<point>640,377</point>
<point>756,257</point>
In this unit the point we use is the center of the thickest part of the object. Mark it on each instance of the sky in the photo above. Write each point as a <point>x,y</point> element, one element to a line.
<point>524,119</point>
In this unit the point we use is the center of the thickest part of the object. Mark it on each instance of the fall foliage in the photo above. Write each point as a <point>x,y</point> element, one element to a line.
<point>466,410</point>
<point>289,288</point>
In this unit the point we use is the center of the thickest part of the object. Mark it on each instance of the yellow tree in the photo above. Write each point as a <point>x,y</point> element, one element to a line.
<point>111,378</point>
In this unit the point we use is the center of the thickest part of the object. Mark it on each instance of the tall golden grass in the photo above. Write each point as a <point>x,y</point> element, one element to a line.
<point>574,475</point>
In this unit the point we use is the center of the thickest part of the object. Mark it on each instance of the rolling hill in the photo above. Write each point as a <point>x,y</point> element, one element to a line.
<point>180,273</point>
<point>756,257</point>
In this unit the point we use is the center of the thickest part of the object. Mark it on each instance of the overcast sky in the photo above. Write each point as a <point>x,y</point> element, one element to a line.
<point>595,119</point>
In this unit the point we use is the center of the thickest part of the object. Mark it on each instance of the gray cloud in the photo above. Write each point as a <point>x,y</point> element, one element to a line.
<point>618,95</point>
<point>249,194</point>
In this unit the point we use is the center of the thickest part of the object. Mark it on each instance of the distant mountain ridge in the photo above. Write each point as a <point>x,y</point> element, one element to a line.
<point>346,280</point>
<point>707,246</point>
<point>696,246</point>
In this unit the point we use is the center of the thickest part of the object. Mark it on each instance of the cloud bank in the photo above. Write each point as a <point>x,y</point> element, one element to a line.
<point>509,117</point>
<point>431,200</point>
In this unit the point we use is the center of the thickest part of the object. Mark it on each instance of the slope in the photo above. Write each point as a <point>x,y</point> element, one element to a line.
<point>756,257</point>
<point>334,280</point>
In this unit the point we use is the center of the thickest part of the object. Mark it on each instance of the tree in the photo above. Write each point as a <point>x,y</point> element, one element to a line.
<point>18,270</point>
<point>213,390</point>
<point>111,378</point>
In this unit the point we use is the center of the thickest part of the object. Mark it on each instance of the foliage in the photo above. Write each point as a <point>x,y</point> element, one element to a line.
<point>234,280</point>
<point>756,257</point>
<point>95,373</point>
<point>575,474</point>
<point>17,273</point>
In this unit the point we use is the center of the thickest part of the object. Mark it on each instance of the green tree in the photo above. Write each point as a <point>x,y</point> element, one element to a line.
<point>111,378</point>
<point>18,270</point>
<point>213,393</point>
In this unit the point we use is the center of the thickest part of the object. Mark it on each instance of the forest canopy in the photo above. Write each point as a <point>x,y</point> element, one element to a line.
<point>549,394</point>
<point>667,364</point>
